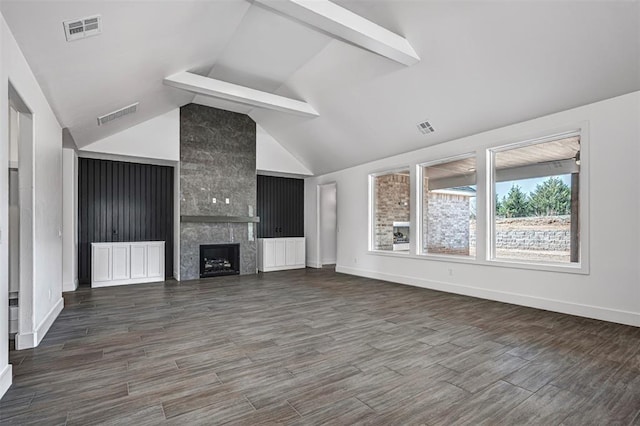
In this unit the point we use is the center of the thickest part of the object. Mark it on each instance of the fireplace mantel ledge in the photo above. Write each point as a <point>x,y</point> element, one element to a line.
<point>220,219</point>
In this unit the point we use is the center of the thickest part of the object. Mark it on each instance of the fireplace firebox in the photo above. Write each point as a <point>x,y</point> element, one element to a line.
<point>219,259</point>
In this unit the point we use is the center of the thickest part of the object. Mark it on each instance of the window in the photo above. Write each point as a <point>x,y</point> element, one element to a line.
<point>448,207</point>
<point>535,210</point>
<point>391,211</point>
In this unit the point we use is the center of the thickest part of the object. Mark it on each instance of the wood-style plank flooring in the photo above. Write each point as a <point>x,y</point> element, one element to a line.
<point>316,347</point>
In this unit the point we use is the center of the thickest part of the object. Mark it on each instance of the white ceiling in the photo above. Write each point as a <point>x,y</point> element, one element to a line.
<point>484,65</point>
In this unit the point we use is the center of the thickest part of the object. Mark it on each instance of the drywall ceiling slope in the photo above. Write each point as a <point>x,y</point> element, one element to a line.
<point>141,43</point>
<point>157,138</point>
<point>484,65</point>
<point>264,52</point>
<point>273,159</point>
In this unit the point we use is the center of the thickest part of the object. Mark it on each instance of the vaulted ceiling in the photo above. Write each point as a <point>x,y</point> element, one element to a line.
<point>484,64</point>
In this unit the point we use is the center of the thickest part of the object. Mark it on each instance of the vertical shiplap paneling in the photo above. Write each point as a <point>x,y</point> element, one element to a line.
<point>280,206</point>
<point>120,201</point>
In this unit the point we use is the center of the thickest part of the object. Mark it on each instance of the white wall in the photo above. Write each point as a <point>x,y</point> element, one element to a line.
<point>610,291</point>
<point>13,137</point>
<point>328,224</point>
<point>272,158</point>
<point>158,138</point>
<point>47,215</point>
<point>69,220</point>
<point>14,234</point>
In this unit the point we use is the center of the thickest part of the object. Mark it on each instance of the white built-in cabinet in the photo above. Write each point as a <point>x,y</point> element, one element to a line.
<point>276,254</point>
<point>126,263</point>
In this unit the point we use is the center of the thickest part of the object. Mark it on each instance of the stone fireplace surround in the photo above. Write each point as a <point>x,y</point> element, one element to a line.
<point>217,160</point>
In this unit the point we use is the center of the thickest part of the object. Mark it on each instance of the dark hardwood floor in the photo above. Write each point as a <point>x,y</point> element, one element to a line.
<point>316,347</point>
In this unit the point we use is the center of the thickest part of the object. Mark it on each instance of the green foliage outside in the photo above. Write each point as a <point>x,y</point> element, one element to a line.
<point>550,198</point>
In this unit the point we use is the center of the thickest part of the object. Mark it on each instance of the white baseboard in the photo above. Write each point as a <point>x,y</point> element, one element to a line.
<point>48,320</point>
<point>26,341</point>
<point>70,285</point>
<point>6,378</point>
<point>588,311</point>
<point>113,283</point>
<point>329,262</point>
<point>31,340</point>
<point>282,268</point>
<point>314,264</point>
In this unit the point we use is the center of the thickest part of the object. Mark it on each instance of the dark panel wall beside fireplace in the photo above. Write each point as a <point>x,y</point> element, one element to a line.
<point>280,207</point>
<point>120,201</point>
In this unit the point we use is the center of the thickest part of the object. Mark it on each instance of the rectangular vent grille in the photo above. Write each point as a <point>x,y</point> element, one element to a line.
<point>425,128</point>
<point>81,28</point>
<point>117,114</point>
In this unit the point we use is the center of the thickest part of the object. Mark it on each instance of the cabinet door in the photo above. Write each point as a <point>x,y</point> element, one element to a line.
<point>300,252</point>
<point>120,253</point>
<point>291,251</point>
<point>101,263</point>
<point>155,260</point>
<point>138,260</point>
<point>269,253</point>
<point>281,250</point>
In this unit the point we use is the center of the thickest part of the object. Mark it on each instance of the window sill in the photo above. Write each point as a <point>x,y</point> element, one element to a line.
<point>578,269</point>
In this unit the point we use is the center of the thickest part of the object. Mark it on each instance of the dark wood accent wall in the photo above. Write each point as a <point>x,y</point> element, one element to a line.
<point>280,207</point>
<point>118,202</point>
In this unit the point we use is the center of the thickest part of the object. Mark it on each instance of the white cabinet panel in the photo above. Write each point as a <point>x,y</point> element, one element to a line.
<point>276,254</point>
<point>101,263</point>
<point>269,253</point>
<point>290,252</point>
<point>155,259</point>
<point>301,258</point>
<point>121,264</point>
<point>281,251</point>
<point>138,260</point>
<point>126,263</point>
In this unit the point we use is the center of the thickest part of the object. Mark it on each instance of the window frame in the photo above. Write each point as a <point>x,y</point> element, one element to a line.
<point>372,209</point>
<point>419,234</point>
<point>580,267</point>
<point>485,197</point>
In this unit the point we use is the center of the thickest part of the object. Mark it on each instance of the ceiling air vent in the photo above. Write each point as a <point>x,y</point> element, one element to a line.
<point>117,114</point>
<point>81,28</point>
<point>425,127</point>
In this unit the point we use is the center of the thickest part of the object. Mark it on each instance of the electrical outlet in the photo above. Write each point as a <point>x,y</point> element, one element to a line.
<point>450,272</point>
<point>355,260</point>
<point>213,200</point>
<point>226,201</point>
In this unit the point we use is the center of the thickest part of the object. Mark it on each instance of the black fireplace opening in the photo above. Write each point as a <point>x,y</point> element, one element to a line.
<point>219,259</point>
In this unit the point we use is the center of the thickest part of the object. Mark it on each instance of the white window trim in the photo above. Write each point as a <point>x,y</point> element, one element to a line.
<point>372,208</point>
<point>419,235</point>
<point>486,205</point>
<point>581,267</point>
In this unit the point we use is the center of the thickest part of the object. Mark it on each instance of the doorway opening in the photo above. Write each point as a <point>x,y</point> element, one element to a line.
<point>21,208</point>
<point>327,225</point>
